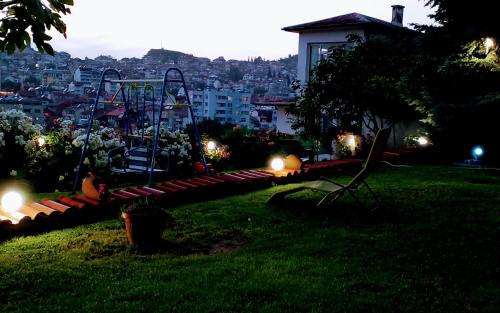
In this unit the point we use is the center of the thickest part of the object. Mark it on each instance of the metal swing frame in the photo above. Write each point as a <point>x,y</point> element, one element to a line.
<point>166,82</point>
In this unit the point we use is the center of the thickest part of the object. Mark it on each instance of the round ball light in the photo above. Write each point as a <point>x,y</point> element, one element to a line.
<point>11,201</point>
<point>40,141</point>
<point>422,141</point>
<point>211,145</point>
<point>277,164</point>
<point>477,151</point>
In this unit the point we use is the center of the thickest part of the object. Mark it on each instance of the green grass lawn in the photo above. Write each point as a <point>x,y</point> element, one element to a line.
<point>434,246</point>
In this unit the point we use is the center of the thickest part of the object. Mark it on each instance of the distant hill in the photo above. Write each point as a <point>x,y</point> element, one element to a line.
<point>167,55</point>
<point>291,61</point>
<point>171,55</point>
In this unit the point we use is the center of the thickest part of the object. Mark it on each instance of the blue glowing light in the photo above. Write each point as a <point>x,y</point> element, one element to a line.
<point>477,151</point>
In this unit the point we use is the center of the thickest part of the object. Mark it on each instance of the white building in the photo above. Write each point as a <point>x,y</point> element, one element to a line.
<point>315,38</point>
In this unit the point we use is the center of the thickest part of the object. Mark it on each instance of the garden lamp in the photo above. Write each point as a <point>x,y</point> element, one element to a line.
<point>12,201</point>
<point>422,141</point>
<point>488,44</point>
<point>211,145</point>
<point>477,152</point>
<point>40,141</point>
<point>277,164</point>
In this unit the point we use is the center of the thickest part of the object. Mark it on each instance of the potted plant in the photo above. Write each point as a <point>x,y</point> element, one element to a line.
<point>144,221</point>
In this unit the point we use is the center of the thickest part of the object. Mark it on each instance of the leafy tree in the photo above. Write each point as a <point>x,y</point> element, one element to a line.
<point>465,20</point>
<point>234,74</point>
<point>456,80</point>
<point>32,80</point>
<point>36,15</point>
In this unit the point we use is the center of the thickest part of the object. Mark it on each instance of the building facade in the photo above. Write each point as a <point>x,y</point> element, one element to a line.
<point>223,105</point>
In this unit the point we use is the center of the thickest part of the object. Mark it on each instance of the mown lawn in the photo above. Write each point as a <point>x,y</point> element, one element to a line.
<point>433,247</point>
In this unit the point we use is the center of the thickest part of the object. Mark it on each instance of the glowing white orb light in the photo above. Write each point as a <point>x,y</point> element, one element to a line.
<point>422,141</point>
<point>351,141</point>
<point>489,43</point>
<point>40,141</point>
<point>211,145</point>
<point>477,151</point>
<point>277,164</point>
<point>11,201</point>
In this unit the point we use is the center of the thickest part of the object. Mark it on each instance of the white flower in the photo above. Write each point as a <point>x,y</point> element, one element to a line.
<point>61,177</point>
<point>13,173</point>
<point>20,140</point>
<point>86,161</point>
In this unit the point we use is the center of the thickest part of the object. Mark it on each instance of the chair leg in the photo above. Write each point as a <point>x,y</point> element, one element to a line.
<point>323,202</point>
<point>358,202</point>
<point>279,196</point>
<point>374,195</point>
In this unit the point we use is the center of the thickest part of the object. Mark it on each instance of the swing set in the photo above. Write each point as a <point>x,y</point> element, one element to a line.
<point>140,152</point>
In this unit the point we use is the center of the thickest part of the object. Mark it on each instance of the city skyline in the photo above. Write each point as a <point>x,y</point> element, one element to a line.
<point>228,29</point>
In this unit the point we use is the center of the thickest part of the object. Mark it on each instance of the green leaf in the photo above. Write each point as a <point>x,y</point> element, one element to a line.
<point>48,48</point>
<point>26,39</point>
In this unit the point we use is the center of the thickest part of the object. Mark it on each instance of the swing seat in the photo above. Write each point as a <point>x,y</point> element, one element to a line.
<point>135,160</point>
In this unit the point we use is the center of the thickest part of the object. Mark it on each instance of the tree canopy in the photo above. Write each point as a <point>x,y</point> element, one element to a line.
<point>456,80</point>
<point>24,22</point>
<point>466,19</point>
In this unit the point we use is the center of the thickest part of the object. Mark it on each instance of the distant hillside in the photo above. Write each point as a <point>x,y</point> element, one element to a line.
<point>291,61</point>
<point>167,55</point>
<point>171,55</point>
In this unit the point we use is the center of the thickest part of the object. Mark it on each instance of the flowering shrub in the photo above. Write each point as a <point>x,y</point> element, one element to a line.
<point>176,145</point>
<point>101,140</point>
<point>16,132</point>
<point>218,154</point>
<point>53,164</point>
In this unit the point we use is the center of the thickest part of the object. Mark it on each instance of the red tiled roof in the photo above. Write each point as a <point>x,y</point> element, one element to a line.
<point>116,112</point>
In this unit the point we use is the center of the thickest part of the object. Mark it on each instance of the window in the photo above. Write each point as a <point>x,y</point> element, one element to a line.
<point>317,52</point>
<point>244,98</point>
<point>243,120</point>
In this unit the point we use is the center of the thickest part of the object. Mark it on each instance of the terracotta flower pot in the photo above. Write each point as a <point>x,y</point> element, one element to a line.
<point>144,231</point>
